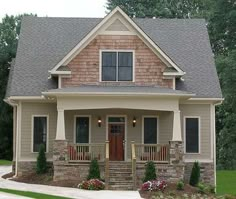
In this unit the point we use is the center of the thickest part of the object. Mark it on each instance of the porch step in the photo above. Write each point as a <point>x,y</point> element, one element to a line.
<point>120,176</point>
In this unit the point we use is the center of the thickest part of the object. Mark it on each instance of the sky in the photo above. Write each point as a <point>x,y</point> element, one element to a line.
<point>54,8</point>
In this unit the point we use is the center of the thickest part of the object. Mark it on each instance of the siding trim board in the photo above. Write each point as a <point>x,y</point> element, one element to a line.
<point>199,134</point>
<point>32,132</point>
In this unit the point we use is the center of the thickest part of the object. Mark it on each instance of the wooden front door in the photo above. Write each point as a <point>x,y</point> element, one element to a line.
<point>116,133</point>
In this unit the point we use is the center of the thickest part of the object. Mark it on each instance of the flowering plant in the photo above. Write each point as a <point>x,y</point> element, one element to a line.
<point>154,185</point>
<point>92,184</point>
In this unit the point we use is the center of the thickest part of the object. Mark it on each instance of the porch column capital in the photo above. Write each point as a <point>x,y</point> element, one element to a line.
<point>176,127</point>
<point>60,134</point>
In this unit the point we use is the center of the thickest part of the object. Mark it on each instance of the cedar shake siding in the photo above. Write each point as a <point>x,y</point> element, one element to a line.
<point>148,67</point>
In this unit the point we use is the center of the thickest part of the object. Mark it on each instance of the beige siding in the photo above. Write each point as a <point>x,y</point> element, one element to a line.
<point>202,111</point>
<point>28,110</point>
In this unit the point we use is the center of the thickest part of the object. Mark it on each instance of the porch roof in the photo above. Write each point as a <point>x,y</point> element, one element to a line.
<point>118,90</point>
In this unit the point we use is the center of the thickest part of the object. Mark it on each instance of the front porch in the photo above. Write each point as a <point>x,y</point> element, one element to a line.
<point>116,135</point>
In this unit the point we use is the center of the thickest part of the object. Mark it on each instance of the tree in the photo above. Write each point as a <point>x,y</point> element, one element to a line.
<point>222,26</point>
<point>9,34</point>
<point>195,174</point>
<point>226,138</point>
<point>94,171</point>
<point>150,171</point>
<point>41,161</point>
<point>162,8</point>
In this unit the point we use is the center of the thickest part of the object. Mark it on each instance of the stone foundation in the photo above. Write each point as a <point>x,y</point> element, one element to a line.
<point>163,171</point>
<point>25,168</point>
<point>206,175</point>
<point>77,172</point>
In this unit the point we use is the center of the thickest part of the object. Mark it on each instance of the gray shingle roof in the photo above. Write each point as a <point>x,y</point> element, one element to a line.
<point>45,41</point>
<point>118,89</point>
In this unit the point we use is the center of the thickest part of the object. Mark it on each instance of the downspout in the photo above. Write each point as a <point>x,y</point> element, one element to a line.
<point>214,141</point>
<point>17,106</point>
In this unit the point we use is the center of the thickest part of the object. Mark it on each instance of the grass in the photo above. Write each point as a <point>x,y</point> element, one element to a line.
<point>31,194</point>
<point>226,182</point>
<point>5,162</point>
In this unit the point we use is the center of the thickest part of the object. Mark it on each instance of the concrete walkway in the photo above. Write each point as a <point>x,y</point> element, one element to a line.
<point>63,191</point>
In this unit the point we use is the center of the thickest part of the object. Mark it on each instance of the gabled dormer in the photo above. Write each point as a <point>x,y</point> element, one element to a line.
<point>117,51</point>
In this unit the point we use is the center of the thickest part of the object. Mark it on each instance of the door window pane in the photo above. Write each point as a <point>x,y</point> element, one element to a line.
<point>40,133</point>
<point>82,130</point>
<point>192,135</point>
<point>150,130</point>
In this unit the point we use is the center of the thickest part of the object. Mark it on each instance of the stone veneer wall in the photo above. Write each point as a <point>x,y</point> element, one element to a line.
<point>206,175</point>
<point>25,168</point>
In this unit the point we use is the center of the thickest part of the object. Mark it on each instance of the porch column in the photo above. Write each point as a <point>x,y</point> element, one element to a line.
<point>60,148</point>
<point>60,134</point>
<point>176,127</point>
<point>176,149</point>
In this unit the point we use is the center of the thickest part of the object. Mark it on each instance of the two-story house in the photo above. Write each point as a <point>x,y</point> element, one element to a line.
<point>119,89</point>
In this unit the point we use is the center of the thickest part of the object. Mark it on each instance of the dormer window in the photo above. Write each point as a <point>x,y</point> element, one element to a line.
<point>117,66</point>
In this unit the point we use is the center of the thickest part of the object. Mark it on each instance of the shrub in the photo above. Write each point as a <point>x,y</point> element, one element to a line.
<point>150,171</point>
<point>202,188</point>
<point>180,185</point>
<point>92,184</point>
<point>154,185</point>
<point>211,189</point>
<point>195,174</point>
<point>94,171</point>
<point>41,161</point>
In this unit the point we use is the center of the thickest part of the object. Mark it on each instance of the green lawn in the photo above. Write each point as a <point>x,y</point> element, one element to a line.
<point>226,182</point>
<point>31,194</point>
<point>5,162</point>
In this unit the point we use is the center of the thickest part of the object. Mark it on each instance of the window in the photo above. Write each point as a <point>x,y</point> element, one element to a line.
<point>192,135</point>
<point>82,130</point>
<point>40,128</point>
<point>150,130</point>
<point>117,66</point>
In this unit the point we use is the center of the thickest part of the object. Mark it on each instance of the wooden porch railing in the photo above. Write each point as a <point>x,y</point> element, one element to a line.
<point>133,160</point>
<point>152,152</point>
<point>107,164</point>
<point>86,152</point>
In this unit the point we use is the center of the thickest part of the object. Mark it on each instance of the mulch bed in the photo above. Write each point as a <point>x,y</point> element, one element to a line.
<point>171,191</point>
<point>45,179</point>
<point>8,175</point>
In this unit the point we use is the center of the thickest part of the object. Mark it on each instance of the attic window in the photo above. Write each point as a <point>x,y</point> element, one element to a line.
<point>117,66</point>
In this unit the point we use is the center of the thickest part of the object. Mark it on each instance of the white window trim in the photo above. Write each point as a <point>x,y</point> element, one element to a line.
<point>116,50</point>
<point>32,132</point>
<point>76,116</point>
<point>158,127</point>
<point>199,134</point>
<point>125,116</point>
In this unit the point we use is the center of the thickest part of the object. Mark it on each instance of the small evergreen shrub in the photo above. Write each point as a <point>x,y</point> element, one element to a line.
<point>202,188</point>
<point>195,174</point>
<point>180,185</point>
<point>94,171</point>
<point>41,161</point>
<point>211,189</point>
<point>150,171</point>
